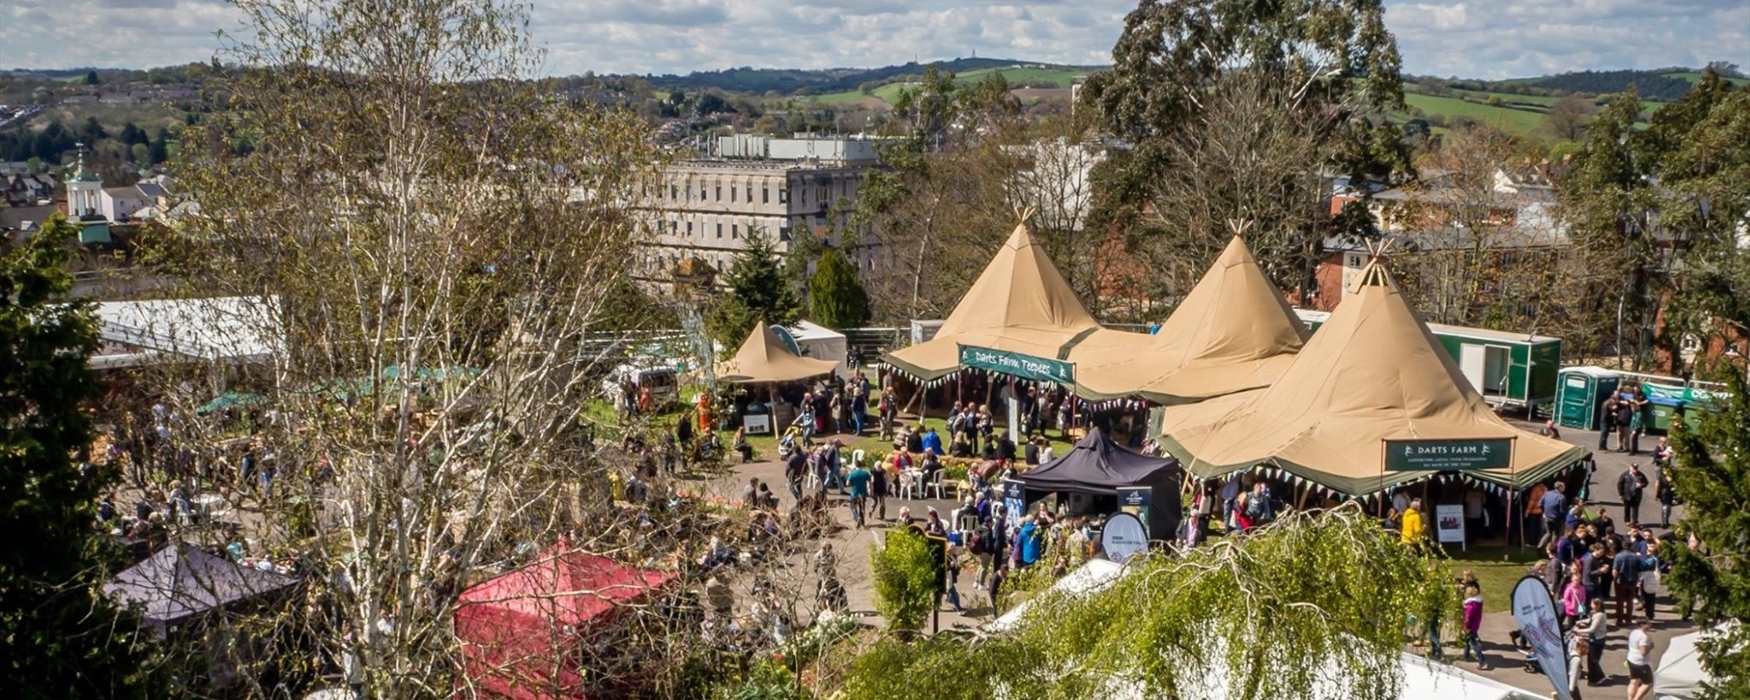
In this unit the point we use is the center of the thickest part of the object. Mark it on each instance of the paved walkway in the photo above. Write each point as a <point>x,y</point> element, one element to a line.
<point>853,545</point>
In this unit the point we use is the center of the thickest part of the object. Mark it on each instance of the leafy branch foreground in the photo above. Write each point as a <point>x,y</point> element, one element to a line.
<point>1317,599</point>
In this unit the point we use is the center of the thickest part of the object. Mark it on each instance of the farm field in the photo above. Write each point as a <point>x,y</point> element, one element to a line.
<point>888,93</point>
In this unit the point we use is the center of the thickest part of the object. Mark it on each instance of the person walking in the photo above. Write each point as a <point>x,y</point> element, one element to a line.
<point>1640,669</point>
<point>1631,485</point>
<point>1625,425</point>
<point>794,469</point>
<point>1594,627</point>
<point>1473,623</point>
<point>878,485</point>
<point>1606,423</point>
<point>1666,495</point>
<point>1573,600</point>
<point>858,479</point>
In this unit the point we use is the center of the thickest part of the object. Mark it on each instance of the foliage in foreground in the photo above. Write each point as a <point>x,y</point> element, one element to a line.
<point>1712,476</point>
<point>905,579</point>
<point>57,637</point>
<point>1329,586</point>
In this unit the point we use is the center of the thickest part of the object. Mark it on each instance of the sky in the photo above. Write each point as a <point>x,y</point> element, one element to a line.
<point>1468,38</point>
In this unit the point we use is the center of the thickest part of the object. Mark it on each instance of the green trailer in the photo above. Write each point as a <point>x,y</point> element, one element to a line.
<point>1508,369</point>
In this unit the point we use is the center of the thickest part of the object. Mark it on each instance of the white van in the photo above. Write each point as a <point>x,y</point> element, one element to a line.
<point>664,385</point>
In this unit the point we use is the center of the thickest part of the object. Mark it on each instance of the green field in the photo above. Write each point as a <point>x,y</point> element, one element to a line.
<point>1520,122</point>
<point>1695,77</point>
<point>889,92</point>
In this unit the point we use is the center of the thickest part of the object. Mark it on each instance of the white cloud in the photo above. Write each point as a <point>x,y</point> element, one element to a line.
<point>1473,38</point>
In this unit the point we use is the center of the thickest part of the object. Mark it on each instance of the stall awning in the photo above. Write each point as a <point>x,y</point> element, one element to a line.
<point>764,358</point>
<point>181,581</point>
<point>1372,373</point>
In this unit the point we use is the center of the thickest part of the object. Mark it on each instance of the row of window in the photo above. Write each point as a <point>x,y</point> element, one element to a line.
<point>715,193</point>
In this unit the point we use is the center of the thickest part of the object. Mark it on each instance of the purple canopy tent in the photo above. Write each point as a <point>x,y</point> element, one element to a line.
<point>181,581</point>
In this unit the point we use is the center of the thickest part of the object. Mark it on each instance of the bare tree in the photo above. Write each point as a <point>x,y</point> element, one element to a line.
<point>428,249</point>
<point>1566,119</point>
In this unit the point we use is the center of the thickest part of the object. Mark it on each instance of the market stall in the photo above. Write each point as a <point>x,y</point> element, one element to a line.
<point>1102,470</point>
<point>766,361</point>
<point>563,605</point>
<point>1368,404</point>
<point>181,582</point>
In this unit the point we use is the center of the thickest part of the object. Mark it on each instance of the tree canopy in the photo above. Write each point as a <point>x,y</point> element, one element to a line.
<point>61,638</point>
<point>835,296</point>
<point>757,290</point>
<point>1712,476</point>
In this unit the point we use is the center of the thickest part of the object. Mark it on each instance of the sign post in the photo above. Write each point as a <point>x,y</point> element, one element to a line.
<point>1014,498</point>
<point>1449,524</point>
<point>1439,455</point>
<point>1535,611</point>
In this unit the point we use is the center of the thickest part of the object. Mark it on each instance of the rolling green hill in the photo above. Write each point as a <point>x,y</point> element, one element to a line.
<point>1018,76</point>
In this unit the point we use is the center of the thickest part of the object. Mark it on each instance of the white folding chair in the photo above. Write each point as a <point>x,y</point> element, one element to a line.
<point>934,484</point>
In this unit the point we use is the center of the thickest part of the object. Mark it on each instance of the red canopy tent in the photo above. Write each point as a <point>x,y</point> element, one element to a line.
<point>521,632</point>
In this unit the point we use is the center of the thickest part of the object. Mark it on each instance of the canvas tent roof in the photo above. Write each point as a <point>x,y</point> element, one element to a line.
<point>1372,372</point>
<point>1680,674</point>
<point>514,625</point>
<point>1097,465</point>
<point>1232,332</point>
<point>1020,303</point>
<point>763,358</point>
<point>181,581</point>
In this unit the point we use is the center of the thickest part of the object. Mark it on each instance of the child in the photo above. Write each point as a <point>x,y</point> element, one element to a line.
<point>1473,621</point>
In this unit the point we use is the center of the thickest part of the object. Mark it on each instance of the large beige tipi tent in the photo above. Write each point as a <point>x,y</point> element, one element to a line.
<point>1019,304</point>
<point>1372,373</point>
<point>1231,333</point>
<point>763,358</point>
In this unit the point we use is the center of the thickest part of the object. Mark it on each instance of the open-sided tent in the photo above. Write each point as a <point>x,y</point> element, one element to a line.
<point>1098,466</point>
<point>1232,332</point>
<point>522,633</point>
<point>1372,373</point>
<point>1020,304</point>
<point>181,581</point>
<point>763,358</point>
<point>1680,675</point>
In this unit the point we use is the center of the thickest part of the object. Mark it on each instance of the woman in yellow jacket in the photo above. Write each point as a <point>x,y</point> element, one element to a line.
<point>1412,527</point>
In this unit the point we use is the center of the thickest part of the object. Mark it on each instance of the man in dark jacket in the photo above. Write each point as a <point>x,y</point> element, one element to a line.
<point>1625,422</point>
<point>1631,486</point>
<point>1606,423</point>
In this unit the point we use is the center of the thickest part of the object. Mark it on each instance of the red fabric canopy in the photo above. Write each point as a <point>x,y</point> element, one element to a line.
<point>517,629</point>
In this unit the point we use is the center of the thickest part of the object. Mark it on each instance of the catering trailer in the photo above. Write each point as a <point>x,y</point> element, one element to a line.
<point>1508,369</point>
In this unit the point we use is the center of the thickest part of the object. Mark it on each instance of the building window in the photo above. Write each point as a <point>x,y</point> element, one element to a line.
<point>689,229</point>
<point>719,190</point>
<point>674,192</point>
<point>735,231</point>
<point>732,189</point>
<point>765,195</point>
<point>719,229</point>
<point>783,195</point>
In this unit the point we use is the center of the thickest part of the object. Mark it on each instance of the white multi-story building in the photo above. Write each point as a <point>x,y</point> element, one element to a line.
<point>784,188</point>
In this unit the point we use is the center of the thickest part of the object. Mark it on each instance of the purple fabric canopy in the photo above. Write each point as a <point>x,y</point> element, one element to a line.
<point>1096,465</point>
<point>182,580</point>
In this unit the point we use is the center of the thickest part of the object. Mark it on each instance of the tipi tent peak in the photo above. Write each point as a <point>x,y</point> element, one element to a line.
<point>764,358</point>
<point>1372,373</point>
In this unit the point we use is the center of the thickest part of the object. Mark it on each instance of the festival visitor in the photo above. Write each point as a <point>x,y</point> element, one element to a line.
<point>1473,623</point>
<point>858,479</point>
<point>1630,486</point>
<point>1412,527</point>
<point>1640,669</point>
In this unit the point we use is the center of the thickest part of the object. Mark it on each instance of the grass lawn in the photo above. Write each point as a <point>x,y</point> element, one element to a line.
<point>889,92</point>
<point>1497,568</point>
<point>1522,122</point>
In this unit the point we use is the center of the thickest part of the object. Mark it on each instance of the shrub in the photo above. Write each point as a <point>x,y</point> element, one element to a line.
<point>905,580</point>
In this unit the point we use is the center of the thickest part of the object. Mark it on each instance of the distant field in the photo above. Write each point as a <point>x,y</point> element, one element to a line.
<point>888,93</point>
<point>1520,122</point>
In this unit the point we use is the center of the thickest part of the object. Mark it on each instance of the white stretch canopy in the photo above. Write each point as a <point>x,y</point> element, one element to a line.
<point>1091,577</point>
<point>1680,674</point>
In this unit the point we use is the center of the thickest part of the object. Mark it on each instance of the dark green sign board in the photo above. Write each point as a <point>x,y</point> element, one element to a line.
<point>1448,455</point>
<point>1017,364</point>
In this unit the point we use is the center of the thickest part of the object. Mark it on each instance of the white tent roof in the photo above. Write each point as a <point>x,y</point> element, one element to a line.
<point>808,330</point>
<point>218,328</point>
<point>1680,674</point>
<point>1091,577</point>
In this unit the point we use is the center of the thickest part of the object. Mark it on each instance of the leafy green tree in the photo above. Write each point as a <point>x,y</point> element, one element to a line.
<point>905,579</point>
<point>91,77</point>
<point>132,134</point>
<point>1712,476</point>
<point>1325,72</point>
<point>92,131</point>
<point>1314,600</point>
<point>61,638</point>
<point>835,296</point>
<point>160,149</point>
<point>757,290</point>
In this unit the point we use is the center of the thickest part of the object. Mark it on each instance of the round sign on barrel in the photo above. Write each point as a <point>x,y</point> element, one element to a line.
<point>1123,537</point>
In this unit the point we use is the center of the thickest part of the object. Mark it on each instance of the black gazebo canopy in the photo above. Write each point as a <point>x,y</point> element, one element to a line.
<point>1098,466</point>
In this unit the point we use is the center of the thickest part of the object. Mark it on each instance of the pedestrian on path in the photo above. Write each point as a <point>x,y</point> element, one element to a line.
<point>1631,485</point>
<point>1473,623</point>
<point>859,479</point>
<point>1640,669</point>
